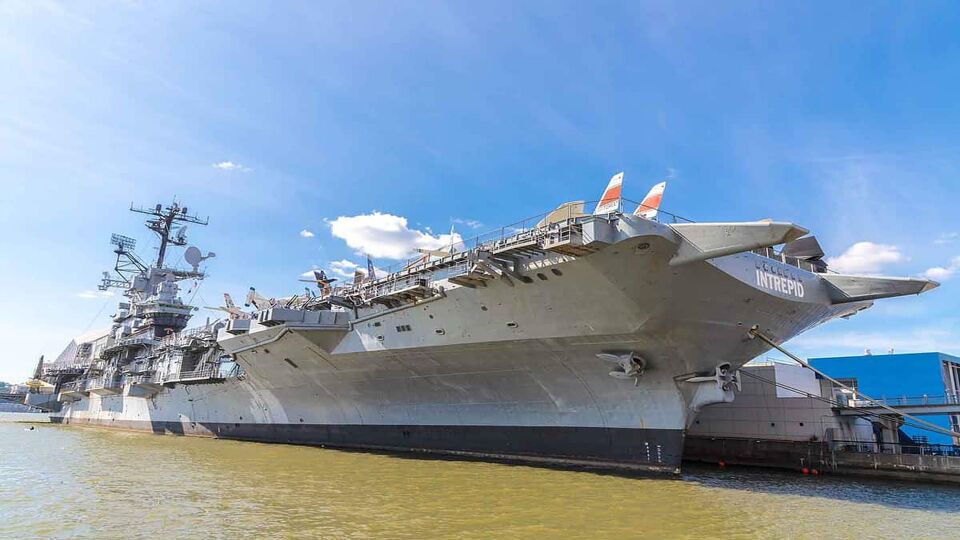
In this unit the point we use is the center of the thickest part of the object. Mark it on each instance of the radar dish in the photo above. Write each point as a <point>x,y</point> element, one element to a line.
<point>193,256</point>
<point>125,243</point>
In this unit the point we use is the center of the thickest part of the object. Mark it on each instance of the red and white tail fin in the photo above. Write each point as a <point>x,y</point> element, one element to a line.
<point>227,301</point>
<point>610,202</point>
<point>648,208</point>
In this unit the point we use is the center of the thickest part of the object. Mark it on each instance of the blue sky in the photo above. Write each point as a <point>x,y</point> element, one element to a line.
<point>844,119</point>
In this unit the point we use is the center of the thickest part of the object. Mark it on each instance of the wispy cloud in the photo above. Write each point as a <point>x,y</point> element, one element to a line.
<point>231,166</point>
<point>343,268</point>
<point>386,236</point>
<point>95,294</point>
<point>943,273</point>
<point>917,339</point>
<point>306,233</point>
<point>347,269</point>
<point>865,258</point>
<point>947,238</point>
<point>472,223</point>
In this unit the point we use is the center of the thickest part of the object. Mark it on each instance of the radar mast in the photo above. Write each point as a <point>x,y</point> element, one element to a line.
<point>164,219</point>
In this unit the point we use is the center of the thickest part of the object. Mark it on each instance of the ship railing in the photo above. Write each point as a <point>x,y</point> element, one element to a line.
<point>204,332</point>
<point>200,330</point>
<point>802,264</point>
<point>78,385</point>
<point>207,372</point>
<point>66,369</point>
<point>143,378</point>
<point>919,448</point>
<point>106,381</point>
<point>534,228</point>
<point>136,340</point>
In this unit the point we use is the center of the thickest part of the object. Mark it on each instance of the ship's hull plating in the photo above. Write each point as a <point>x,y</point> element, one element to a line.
<point>552,409</point>
<point>501,371</point>
<point>641,449</point>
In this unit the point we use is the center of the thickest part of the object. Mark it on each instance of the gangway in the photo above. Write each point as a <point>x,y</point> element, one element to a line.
<point>914,406</point>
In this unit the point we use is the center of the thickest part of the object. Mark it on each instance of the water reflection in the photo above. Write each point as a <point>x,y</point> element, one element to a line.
<point>59,482</point>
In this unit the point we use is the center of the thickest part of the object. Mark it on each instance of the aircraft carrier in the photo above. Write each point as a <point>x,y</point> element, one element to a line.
<point>572,338</point>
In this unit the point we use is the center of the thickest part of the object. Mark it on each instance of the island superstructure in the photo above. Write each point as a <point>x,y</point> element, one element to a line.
<point>571,337</point>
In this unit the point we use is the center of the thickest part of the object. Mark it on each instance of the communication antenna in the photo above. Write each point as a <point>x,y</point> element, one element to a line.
<point>164,219</point>
<point>127,266</point>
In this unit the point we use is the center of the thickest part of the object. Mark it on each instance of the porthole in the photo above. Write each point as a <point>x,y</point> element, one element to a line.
<point>483,308</point>
<point>440,331</point>
<point>379,338</point>
<point>556,272</point>
<point>543,277</point>
<point>511,324</point>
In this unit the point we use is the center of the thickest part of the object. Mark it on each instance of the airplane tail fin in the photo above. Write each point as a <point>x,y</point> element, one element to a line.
<point>227,301</point>
<point>651,203</point>
<point>610,201</point>
<point>256,300</point>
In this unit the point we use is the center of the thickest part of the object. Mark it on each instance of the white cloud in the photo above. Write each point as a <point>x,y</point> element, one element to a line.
<point>865,258</point>
<point>947,238</point>
<point>231,166</point>
<point>346,269</point>
<point>916,339</point>
<point>386,236</point>
<point>343,268</point>
<point>472,223</point>
<point>943,273</point>
<point>95,294</point>
<point>306,233</point>
<point>309,273</point>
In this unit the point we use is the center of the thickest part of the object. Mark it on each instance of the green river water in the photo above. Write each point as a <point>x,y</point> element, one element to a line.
<point>67,482</point>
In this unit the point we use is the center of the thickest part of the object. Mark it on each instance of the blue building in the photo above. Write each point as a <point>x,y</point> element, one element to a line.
<point>902,378</point>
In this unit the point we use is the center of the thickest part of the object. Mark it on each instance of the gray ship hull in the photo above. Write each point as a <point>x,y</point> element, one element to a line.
<point>510,370</point>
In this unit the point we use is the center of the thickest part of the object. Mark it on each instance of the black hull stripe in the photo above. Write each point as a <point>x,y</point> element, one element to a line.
<point>644,449</point>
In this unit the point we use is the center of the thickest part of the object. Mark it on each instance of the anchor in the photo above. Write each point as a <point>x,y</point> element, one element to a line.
<point>715,388</point>
<point>725,378</point>
<point>630,365</point>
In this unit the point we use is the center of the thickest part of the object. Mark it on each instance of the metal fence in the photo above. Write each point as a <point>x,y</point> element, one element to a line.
<point>74,386</point>
<point>924,449</point>
<point>947,399</point>
<point>771,253</point>
<point>208,371</point>
<point>526,229</point>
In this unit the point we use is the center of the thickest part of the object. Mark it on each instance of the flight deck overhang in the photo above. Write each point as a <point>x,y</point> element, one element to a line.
<point>846,288</point>
<point>703,241</point>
